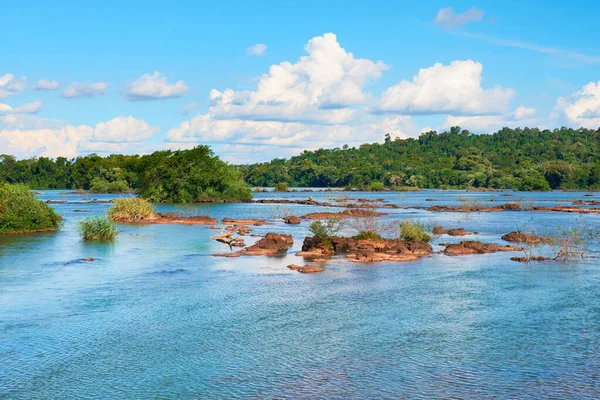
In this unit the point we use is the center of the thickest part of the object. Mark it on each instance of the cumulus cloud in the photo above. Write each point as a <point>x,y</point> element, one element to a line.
<point>44,84</point>
<point>11,85</point>
<point>258,49</point>
<point>28,108</point>
<point>453,89</point>
<point>318,88</point>
<point>449,19</point>
<point>520,117</point>
<point>84,89</point>
<point>155,86</point>
<point>123,130</point>
<point>26,136</point>
<point>582,108</point>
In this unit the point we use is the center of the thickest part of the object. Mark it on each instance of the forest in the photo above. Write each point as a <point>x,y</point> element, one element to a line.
<point>164,176</point>
<point>527,159</point>
<point>524,159</point>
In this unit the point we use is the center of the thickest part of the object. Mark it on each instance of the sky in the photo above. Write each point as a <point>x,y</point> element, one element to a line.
<point>270,79</point>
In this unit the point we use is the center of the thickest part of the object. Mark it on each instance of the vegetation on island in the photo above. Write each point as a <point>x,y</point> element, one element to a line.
<point>524,159</point>
<point>131,209</point>
<point>179,176</point>
<point>21,212</point>
<point>99,229</point>
<point>416,231</point>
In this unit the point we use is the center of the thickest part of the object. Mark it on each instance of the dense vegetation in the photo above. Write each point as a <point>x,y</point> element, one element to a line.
<point>172,176</point>
<point>99,229</point>
<point>524,159</point>
<point>21,212</point>
<point>132,209</point>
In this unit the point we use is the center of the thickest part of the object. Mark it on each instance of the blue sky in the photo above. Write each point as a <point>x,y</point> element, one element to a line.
<point>270,79</point>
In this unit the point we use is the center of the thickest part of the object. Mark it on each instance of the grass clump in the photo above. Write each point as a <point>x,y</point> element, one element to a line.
<point>99,229</point>
<point>21,212</point>
<point>131,209</point>
<point>414,231</point>
<point>368,235</point>
<point>281,187</point>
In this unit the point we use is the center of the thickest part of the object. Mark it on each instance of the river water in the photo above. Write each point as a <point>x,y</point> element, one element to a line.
<point>156,316</point>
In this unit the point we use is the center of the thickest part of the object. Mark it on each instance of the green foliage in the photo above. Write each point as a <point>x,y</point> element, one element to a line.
<point>131,209</point>
<point>324,231</point>
<point>368,235</point>
<point>21,212</point>
<point>524,159</point>
<point>281,187</point>
<point>414,231</point>
<point>99,229</point>
<point>173,176</point>
<point>376,186</point>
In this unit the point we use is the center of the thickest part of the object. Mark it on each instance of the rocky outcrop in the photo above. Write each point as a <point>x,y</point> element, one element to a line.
<point>438,230</point>
<point>518,237</point>
<point>530,259</point>
<point>228,239</point>
<point>305,269</point>
<point>474,247</point>
<point>293,220</point>
<point>272,244</point>
<point>351,213</point>
<point>365,250</point>
<point>244,222</point>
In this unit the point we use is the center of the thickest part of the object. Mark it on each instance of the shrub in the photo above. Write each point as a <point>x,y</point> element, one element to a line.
<point>21,212</point>
<point>281,187</point>
<point>376,186</point>
<point>414,231</point>
<point>571,244</point>
<point>366,235</point>
<point>99,229</point>
<point>323,231</point>
<point>100,185</point>
<point>131,209</point>
<point>370,225</point>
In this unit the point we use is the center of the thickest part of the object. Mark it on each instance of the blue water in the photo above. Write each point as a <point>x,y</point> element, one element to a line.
<point>155,316</point>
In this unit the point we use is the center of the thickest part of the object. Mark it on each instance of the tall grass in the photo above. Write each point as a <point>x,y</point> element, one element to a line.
<point>414,231</point>
<point>99,229</point>
<point>21,212</point>
<point>131,209</point>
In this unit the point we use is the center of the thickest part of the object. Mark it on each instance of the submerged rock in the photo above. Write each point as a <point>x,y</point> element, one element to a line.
<point>271,244</point>
<point>351,213</point>
<point>292,220</point>
<point>438,230</point>
<point>518,237</point>
<point>474,247</point>
<point>240,222</point>
<point>306,269</point>
<point>530,259</point>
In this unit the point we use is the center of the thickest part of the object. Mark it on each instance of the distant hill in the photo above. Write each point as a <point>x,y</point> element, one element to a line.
<point>524,159</point>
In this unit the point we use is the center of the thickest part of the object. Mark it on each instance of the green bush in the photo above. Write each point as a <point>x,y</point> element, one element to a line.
<point>131,209</point>
<point>99,229</point>
<point>376,186</point>
<point>281,187</point>
<point>21,212</point>
<point>414,231</point>
<point>368,235</point>
<point>100,185</point>
<point>324,231</point>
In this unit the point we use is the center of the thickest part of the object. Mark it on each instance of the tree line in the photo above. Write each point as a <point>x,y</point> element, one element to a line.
<point>163,176</point>
<point>523,159</point>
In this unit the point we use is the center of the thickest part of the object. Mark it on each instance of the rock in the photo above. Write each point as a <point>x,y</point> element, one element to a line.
<point>292,220</point>
<point>525,259</point>
<point>511,206</point>
<point>88,259</point>
<point>81,211</point>
<point>493,199</point>
<point>226,255</point>
<point>438,230</point>
<point>351,213</point>
<point>306,269</point>
<point>579,202</point>
<point>430,200</point>
<point>213,227</point>
<point>240,222</point>
<point>518,237</point>
<point>589,195</point>
<point>474,247</point>
<point>270,245</point>
<point>228,239</point>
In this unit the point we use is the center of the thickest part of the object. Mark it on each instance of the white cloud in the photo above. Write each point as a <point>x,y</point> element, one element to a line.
<point>123,130</point>
<point>81,89</point>
<point>187,109</point>
<point>453,89</point>
<point>28,108</point>
<point>46,142</point>
<point>318,88</point>
<point>155,86</point>
<point>521,117</point>
<point>11,85</point>
<point>582,108</point>
<point>449,19</point>
<point>258,49</point>
<point>44,84</point>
